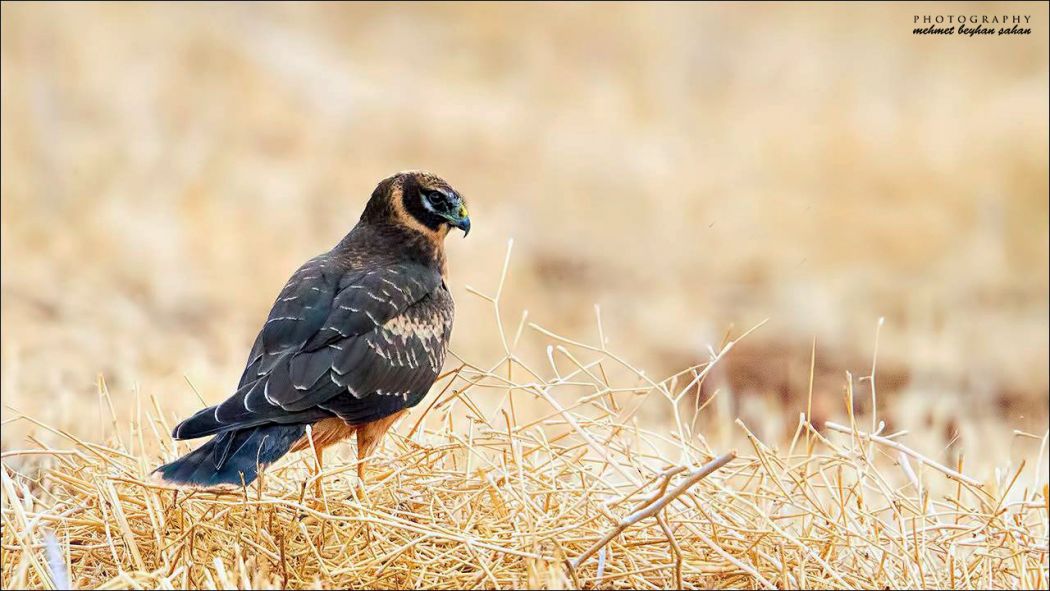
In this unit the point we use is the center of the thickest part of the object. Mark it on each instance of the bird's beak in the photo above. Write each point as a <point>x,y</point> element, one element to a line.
<point>464,224</point>
<point>461,220</point>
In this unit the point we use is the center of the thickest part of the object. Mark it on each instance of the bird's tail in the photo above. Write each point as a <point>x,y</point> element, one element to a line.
<point>232,458</point>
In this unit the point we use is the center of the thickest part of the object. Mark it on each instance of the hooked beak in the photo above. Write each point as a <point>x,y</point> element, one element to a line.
<point>464,224</point>
<point>461,220</point>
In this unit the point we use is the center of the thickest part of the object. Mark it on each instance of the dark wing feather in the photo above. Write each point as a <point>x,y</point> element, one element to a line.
<point>298,312</point>
<point>359,344</point>
<point>365,306</point>
<point>394,366</point>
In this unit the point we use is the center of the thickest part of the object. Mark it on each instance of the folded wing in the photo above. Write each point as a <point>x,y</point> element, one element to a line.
<point>360,345</point>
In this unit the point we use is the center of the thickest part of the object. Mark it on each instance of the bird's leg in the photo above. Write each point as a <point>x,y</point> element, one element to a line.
<point>366,442</point>
<point>364,447</point>
<point>368,436</point>
<point>362,453</point>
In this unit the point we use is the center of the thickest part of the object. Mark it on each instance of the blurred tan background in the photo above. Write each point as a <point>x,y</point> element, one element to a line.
<point>692,169</point>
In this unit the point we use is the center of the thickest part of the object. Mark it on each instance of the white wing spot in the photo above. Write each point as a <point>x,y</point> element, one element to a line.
<point>266,393</point>
<point>336,329</point>
<point>392,284</point>
<point>283,318</point>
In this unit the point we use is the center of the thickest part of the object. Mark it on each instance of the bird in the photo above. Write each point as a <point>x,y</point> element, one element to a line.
<point>356,337</point>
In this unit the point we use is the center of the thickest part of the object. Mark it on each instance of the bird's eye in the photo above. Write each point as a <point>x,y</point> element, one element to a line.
<point>435,199</point>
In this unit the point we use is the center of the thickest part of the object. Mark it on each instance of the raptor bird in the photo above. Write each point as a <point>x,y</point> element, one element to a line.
<point>356,338</point>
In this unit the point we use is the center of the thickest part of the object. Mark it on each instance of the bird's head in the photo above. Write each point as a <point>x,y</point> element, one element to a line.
<point>420,200</point>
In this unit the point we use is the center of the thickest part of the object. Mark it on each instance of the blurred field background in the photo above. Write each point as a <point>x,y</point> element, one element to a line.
<point>692,169</point>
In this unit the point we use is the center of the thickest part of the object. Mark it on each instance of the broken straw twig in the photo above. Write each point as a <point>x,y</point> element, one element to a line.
<point>651,507</point>
<point>905,450</point>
